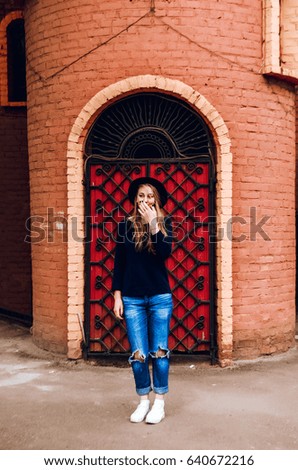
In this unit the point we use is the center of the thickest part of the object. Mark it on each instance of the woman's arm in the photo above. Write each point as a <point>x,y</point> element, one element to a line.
<point>118,304</point>
<point>119,269</point>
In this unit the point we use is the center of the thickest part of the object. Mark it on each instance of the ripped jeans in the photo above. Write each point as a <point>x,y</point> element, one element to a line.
<point>148,325</point>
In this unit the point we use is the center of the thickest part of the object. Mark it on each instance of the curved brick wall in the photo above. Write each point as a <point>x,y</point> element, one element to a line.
<point>217,52</point>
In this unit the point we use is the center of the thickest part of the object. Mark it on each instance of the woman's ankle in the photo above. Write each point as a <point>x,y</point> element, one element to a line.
<point>159,397</point>
<point>144,397</point>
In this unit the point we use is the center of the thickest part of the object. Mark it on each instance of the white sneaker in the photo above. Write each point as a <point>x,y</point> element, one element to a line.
<point>157,412</point>
<point>140,413</point>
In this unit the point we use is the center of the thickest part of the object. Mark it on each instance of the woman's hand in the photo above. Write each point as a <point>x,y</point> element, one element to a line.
<point>148,213</point>
<point>118,305</point>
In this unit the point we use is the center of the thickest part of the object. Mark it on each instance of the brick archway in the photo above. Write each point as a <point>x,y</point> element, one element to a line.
<point>75,175</point>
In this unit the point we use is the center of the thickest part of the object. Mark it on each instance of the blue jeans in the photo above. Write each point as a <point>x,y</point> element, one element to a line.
<point>148,325</point>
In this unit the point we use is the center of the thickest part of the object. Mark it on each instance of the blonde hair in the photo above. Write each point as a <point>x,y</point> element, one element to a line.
<point>141,234</point>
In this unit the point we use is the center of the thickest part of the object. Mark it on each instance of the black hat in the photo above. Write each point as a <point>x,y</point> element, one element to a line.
<point>134,186</point>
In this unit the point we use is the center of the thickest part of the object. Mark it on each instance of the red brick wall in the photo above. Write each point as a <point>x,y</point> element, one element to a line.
<point>289,36</point>
<point>216,48</point>
<point>265,270</point>
<point>15,273</point>
<point>296,187</point>
<point>9,6</point>
<point>296,147</point>
<point>15,254</point>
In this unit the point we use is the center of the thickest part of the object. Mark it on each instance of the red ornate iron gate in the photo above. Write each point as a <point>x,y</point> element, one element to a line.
<point>159,135</point>
<point>191,265</point>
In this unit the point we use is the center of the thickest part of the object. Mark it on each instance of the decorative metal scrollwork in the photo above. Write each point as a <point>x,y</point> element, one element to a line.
<point>201,243</point>
<point>97,322</point>
<point>200,283</point>
<point>201,205</point>
<point>189,196</point>
<point>127,167</point>
<point>201,322</point>
<point>98,246</point>
<point>98,280</point>
<point>147,141</point>
<point>163,169</point>
<point>191,166</point>
<point>98,205</point>
<point>148,125</point>
<point>107,168</point>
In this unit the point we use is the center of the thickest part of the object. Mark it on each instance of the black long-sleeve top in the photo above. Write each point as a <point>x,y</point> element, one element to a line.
<point>140,273</point>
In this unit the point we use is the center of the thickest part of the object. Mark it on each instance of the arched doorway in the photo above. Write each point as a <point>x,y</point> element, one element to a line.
<point>159,135</point>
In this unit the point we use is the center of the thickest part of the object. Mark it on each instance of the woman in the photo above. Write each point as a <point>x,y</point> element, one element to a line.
<point>142,292</point>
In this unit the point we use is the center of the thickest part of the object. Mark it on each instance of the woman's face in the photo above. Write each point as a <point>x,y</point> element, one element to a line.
<point>145,194</point>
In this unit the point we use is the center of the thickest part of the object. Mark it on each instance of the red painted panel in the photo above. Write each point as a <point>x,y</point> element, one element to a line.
<point>190,282</point>
<point>108,206</point>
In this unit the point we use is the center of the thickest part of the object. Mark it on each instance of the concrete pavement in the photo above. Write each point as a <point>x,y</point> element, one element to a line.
<point>48,402</point>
